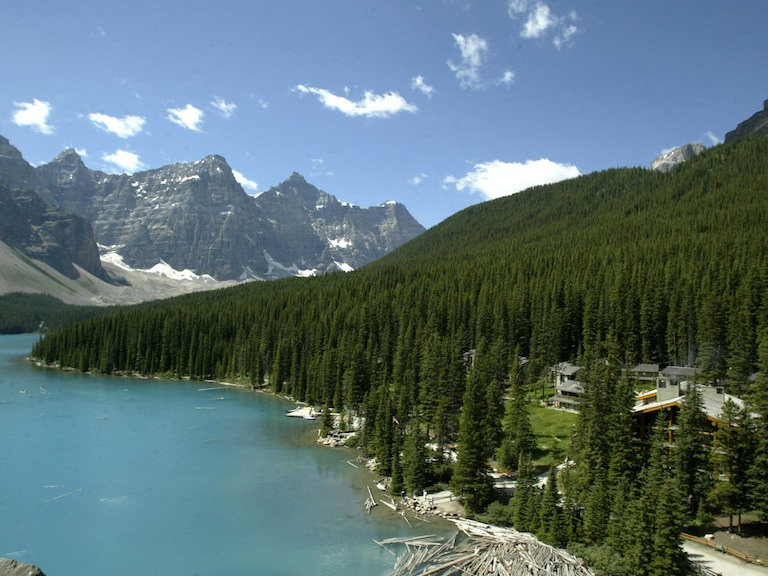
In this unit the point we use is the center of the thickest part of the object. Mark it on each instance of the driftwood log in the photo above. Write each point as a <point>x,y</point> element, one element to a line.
<point>485,551</point>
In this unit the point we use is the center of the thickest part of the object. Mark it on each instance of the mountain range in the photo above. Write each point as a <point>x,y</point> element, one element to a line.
<point>189,220</point>
<point>91,237</point>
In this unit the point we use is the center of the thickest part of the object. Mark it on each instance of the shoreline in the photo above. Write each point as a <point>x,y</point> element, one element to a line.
<point>439,506</point>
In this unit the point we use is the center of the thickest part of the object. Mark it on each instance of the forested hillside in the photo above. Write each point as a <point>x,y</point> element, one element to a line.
<point>37,312</point>
<point>672,265</point>
<point>628,263</point>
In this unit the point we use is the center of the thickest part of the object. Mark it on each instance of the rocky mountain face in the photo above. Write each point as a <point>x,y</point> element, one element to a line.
<point>196,216</point>
<point>669,160</point>
<point>757,124</point>
<point>47,233</point>
<point>9,567</point>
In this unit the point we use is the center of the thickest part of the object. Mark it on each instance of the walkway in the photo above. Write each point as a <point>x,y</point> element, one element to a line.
<point>720,563</point>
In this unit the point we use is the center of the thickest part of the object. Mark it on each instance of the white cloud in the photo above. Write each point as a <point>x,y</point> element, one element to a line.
<point>714,140</point>
<point>319,168</point>
<point>539,20</point>
<point>418,179</point>
<point>507,78</point>
<point>370,105</point>
<point>188,117</point>
<point>124,127</point>
<point>497,178</point>
<point>124,160</point>
<point>245,182</point>
<point>473,50</point>
<point>565,35</point>
<point>418,83</point>
<point>33,114</point>
<point>226,109</point>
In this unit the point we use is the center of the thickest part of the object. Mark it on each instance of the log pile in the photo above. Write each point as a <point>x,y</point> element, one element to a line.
<point>487,551</point>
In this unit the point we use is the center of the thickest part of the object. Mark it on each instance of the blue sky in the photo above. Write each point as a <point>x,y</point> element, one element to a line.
<point>438,104</point>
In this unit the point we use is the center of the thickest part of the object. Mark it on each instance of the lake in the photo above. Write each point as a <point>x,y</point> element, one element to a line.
<point>120,476</point>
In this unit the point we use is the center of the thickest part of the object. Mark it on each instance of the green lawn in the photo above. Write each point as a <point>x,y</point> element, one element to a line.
<point>553,430</point>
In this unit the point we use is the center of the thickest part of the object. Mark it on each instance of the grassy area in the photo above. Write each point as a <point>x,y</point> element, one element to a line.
<point>553,430</point>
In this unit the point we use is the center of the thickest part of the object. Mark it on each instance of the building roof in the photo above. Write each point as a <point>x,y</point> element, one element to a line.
<point>565,400</point>
<point>680,372</point>
<point>572,386</point>
<point>645,368</point>
<point>712,404</point>
<point>566,368</point>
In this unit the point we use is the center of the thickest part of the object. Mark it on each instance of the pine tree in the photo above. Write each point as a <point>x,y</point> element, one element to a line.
<point>623,465</point>
<point>692,449</point>
<point>525,499</point>
<point>470,479</point>
<point>596,512</point>
<point>326,421</point>
<point>667,557</point>
<point>731,458</point>
<point>758,479</point>
<point>518,433</point>
<point>550,521</point>
<point>414,458</point>
<point>397,484</point>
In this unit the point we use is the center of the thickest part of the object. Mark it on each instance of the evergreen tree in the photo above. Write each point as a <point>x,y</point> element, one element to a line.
<point>397,484</point>
<point>596,511</point>
<point>470,479</point>
<point>518,433</point>
<point>326,421</point>
<point>639,521</point>
<point>692,449</point>
<point>623,464</point>
<point>525,502</point>
<point>758,479</point>
<point>731,457</point>
<point>414,458</point>
<point>550,528</point>
<point>667,557</point>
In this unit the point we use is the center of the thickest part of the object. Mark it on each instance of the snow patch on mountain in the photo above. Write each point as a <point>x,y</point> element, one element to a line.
<point>162,268</point>
<point>343,266</point>
<point>291,270</point>
<point>340,242</point>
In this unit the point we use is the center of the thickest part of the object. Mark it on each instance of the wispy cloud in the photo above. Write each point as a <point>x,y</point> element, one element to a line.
<point>226,109</point>
<point>418,83</point>
<point>713,139</point>
<point>473,50</point>
<point>319,168</point>
<point>418,179</point>
<point>370,105</point>
<point>538,20</point>
<point>33,114</point>
<point>245,182</point>
<point>124,127</point>
<point>124,160</point>
<point>507,78</point>
<point>188,117</point>
<point>497,178</point>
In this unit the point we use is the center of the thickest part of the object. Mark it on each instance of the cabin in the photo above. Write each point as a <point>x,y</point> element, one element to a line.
<point>568,388</point>
<point>643,376</point>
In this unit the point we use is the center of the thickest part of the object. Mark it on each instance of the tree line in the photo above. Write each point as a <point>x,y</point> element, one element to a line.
<point>426,342</point>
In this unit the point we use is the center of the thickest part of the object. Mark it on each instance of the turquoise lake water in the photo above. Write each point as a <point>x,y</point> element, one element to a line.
<point>120,476</point>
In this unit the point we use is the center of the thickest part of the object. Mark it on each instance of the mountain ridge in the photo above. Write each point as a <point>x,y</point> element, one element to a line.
<point>196,216</point>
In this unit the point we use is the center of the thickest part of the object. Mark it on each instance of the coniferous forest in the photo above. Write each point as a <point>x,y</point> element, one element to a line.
<point>607,270</point>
